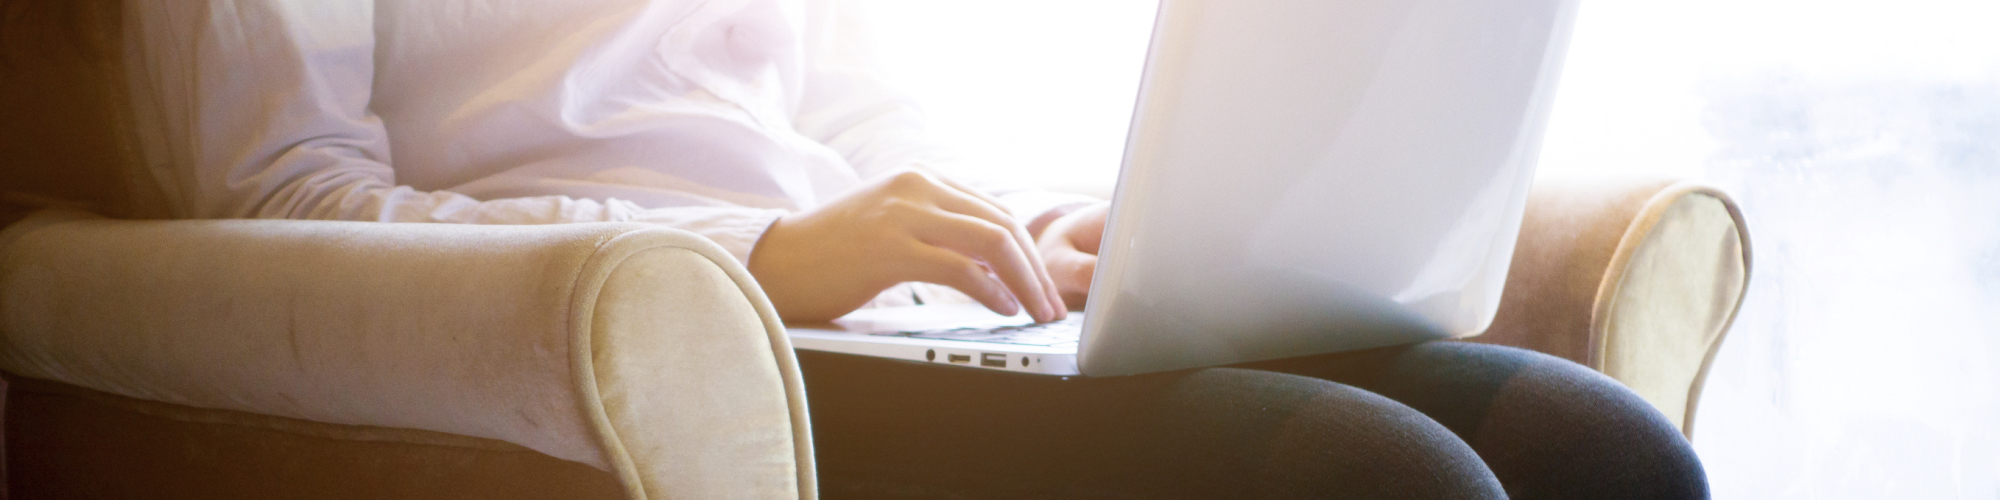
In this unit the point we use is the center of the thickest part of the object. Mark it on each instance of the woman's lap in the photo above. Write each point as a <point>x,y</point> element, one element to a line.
<point>1307,427</point>
<point>1547,427</point>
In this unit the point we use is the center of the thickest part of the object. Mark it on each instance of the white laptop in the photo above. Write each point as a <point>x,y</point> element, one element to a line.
<point>1300,177</point>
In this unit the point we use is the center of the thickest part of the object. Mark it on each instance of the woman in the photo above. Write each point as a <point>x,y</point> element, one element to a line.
<point>754,123</point>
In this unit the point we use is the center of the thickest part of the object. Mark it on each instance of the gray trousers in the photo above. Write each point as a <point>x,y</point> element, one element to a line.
<point>1431,420</point>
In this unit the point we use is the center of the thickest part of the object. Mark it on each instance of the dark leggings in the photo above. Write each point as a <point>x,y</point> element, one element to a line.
<point>1432,420</point>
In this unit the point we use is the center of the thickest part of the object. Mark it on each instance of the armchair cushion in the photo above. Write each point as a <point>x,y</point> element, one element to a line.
<point>643,351</point>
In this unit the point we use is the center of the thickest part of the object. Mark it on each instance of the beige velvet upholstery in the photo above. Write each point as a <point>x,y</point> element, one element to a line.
<point>1637,278</point>
<point>644,351</point>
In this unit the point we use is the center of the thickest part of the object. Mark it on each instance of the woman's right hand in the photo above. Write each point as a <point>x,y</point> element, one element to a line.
<point>823,263</point>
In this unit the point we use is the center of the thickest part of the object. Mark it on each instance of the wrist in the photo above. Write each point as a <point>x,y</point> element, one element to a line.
<point>757,243</point>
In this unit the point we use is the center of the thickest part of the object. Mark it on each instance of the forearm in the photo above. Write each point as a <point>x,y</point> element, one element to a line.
<point>736,229</point>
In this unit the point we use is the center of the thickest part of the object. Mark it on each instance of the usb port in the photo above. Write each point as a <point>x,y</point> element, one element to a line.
<point>958,358</point>
<point>993,359</point>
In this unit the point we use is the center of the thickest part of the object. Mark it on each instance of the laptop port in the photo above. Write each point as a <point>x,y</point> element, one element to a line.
<point>993,359</point>
<point>958,358</point>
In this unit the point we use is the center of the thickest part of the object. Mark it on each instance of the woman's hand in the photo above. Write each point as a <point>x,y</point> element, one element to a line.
<point>1069,245</point>
<point>823,263</point>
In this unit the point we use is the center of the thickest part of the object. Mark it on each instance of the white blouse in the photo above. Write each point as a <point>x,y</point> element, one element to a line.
<point>712,116</point>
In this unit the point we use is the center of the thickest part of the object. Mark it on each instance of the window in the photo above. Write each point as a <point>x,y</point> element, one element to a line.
<point>1043,88</point>
<point>1863,140</point>
<point>1861,137</point>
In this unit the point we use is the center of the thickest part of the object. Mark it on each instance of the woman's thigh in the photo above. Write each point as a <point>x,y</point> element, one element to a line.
<point>1547,427</point>
<point>885,428</point>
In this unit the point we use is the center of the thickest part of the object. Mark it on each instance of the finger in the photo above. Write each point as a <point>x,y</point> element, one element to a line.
<point>954,196</point>
<point>1072,269</point>
<point>1088,233</point>
<point>932,264</point>
<point>1027,241</point>
<point>991,201</point>
<point>964,200</point>
<point>1079,270</point>
<point>1076,271</point>
<point>995,246</point>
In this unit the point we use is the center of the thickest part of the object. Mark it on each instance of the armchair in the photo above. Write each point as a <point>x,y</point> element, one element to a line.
<point>300,359</point>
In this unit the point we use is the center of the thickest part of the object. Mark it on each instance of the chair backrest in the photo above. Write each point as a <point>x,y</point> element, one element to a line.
<point>65,129</point>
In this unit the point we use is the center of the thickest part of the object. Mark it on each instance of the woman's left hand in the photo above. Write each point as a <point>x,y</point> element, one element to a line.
<point>1069,248</point>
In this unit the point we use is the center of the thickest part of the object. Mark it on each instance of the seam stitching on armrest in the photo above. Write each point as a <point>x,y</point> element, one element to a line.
<point>596,269</point>
<point>1729,320</point>
<point>1642,227</point>
<point>584,289</point>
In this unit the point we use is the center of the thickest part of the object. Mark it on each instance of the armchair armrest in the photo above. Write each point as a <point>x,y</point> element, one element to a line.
<point>1637,278</point>
<point>644,351</point>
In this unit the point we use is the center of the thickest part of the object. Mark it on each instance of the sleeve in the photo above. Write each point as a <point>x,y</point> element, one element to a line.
<point>845,106</point>
<point>259,109</point>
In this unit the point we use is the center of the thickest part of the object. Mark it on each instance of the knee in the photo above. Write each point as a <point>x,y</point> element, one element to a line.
<point>1552,428</point>
<point>1572,432</point>
<point>1307,438</point>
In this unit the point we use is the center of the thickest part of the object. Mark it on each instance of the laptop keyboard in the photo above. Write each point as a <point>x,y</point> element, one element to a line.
<point>1053,334</point>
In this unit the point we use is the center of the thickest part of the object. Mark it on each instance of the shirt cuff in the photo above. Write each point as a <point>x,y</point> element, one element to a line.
<point>736,229</point>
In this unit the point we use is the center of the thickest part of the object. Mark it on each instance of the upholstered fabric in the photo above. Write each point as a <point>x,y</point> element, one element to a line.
<point>65,129</point>
<point>1637,278</point>
<point>78,443</point>
<point>644,351</point>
